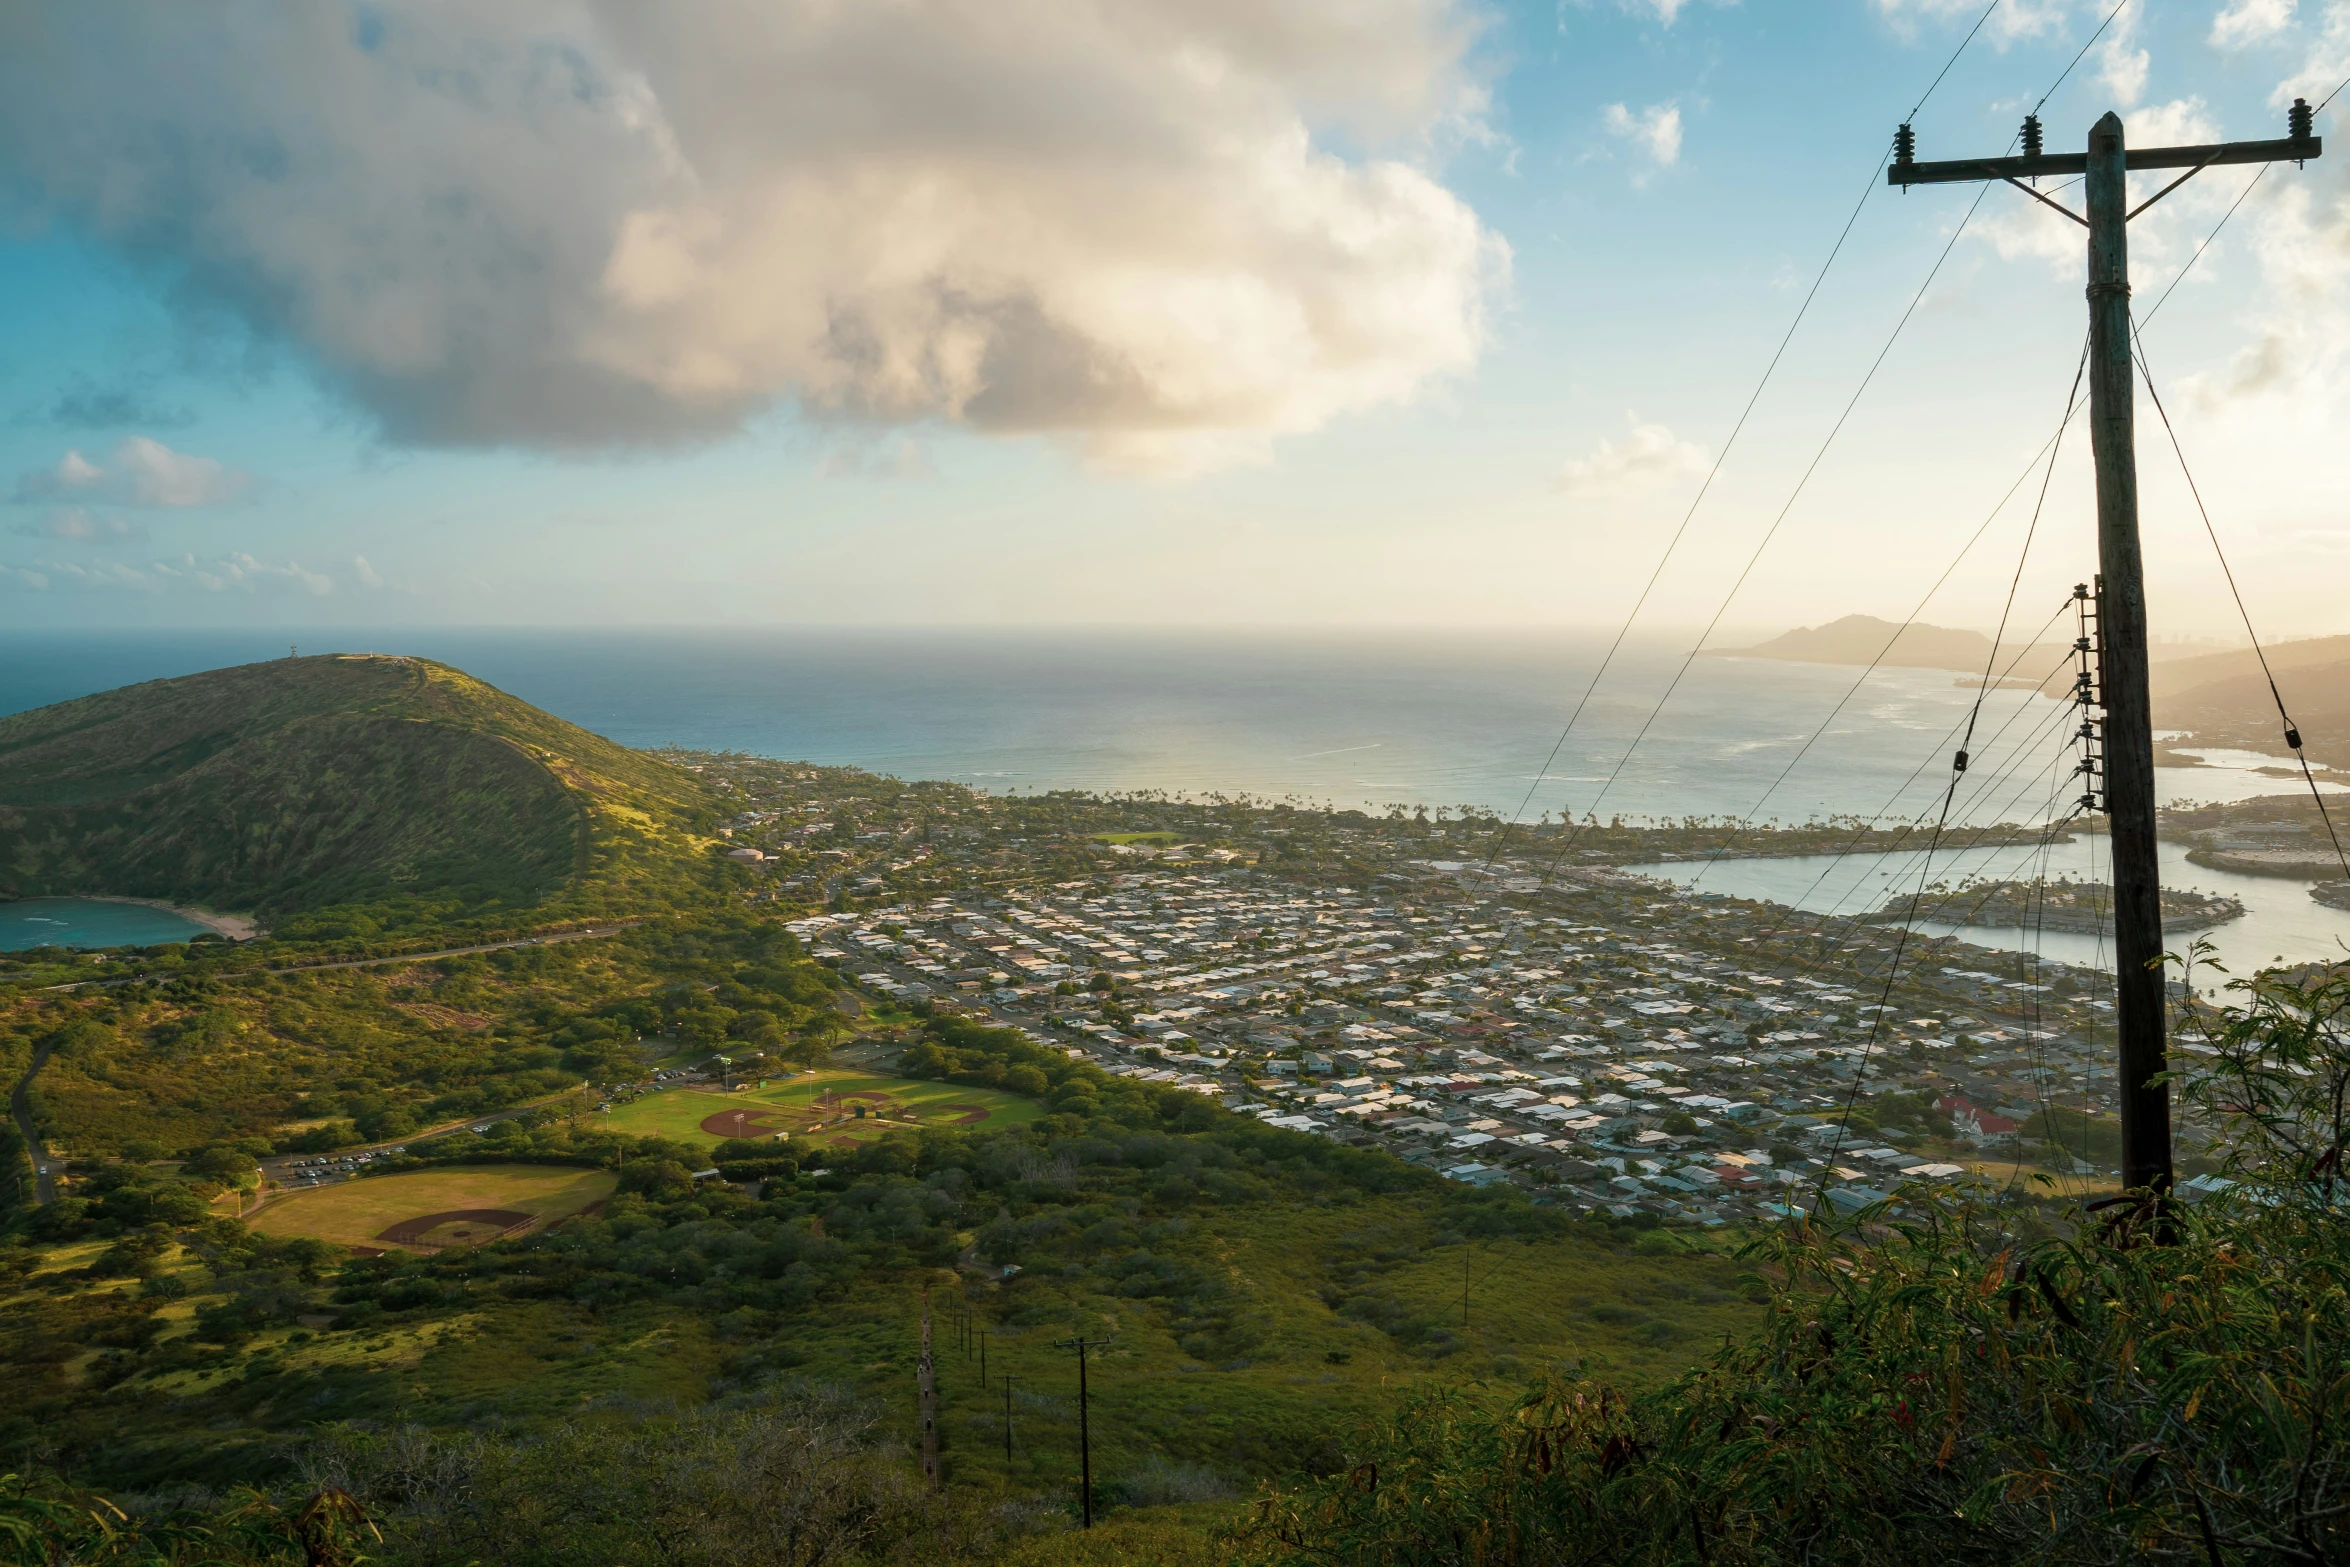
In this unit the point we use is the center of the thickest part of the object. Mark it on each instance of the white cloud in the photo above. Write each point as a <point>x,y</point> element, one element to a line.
<point>139,472</point>
<point>2325,65</point>
<point>2011,21</point>
<point>1665,12</point>
<point>901,458</point>
<point>81,525</point>
<point>582,223</point>
<point>2250,22</point>
<point>2121,65</point>
<point>1649,457</point>
<point>233,573</point>
<point>369,577</point>
<point>1655,130</point>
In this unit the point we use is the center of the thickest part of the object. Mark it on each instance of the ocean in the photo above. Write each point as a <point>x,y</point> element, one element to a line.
<point>1374,720</point>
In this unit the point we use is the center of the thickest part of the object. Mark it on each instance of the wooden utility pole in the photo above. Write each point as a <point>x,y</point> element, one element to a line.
<point>926,1379</point>
<point>2127,730</point>
<point>1084,1429</point>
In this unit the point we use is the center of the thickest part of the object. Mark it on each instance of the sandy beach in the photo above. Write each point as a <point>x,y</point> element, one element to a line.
<point>236,927</point>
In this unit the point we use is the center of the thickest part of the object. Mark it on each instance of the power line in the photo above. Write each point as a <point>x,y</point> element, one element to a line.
<point>2071,401</point>
<point>1673,544</point>
<point>1821,960</point>
<point>1869,825</point>
<point>2258,175</point>
<point>1989,778</point>
<point>1772,531</point>
<point>1954,54</point>
<point>1568,840</point>
<point>2077,58</point>
<point>1885,996</point>
<point>2050,448</point>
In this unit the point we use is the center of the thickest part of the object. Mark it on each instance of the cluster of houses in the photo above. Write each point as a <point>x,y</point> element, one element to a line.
<point>1628,1053</point>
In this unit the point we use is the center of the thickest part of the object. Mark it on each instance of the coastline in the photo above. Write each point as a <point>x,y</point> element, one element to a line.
<point>236,927</point>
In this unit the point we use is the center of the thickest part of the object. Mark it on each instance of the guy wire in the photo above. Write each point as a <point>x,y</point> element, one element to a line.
<point>2292,733</point>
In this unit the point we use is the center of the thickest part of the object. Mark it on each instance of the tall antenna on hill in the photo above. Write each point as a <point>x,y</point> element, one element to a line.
<point>2127,728</point>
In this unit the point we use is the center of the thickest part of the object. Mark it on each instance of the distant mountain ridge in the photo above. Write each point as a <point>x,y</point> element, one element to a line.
<point>2222,699</point>
<point>304,782</point>
<point>1864,639</point>
<point>2216,699</point>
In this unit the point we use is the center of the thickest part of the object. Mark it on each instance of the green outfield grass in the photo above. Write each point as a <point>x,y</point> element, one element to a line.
<point>356,1213</point>
<point>819,1110</point>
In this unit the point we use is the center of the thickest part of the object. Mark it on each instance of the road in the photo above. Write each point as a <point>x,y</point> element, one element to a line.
<point>405,957</point>
<point>458,952</point>
<point>20,1105</point>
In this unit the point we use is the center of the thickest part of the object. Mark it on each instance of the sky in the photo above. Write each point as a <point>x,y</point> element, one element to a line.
<point>1203,313</point>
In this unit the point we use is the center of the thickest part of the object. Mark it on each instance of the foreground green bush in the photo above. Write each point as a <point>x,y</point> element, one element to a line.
<point>2150,1383</point>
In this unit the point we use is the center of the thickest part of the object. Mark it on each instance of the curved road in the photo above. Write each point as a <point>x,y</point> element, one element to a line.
<point>20,1105</point>
<point>405,957</point>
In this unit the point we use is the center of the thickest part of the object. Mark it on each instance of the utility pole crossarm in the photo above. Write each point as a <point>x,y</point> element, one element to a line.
<point>2291,149</point>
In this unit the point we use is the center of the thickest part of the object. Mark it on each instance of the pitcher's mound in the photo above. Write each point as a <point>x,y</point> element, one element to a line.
<point>752,1122</point>
<point>457,1227</point>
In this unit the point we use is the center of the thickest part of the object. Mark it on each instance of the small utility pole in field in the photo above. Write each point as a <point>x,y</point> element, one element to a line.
<point>926,1379</point>
<point>2127,730</point>
<point>1084,1429</point>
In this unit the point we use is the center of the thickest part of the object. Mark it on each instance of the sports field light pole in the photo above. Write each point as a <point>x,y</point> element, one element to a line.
<point>2128,725</point>
<point>1084,1429</point>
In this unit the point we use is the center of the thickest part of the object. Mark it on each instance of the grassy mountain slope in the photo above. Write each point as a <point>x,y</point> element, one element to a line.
<point>301,783</point>
<point>2222,699</point>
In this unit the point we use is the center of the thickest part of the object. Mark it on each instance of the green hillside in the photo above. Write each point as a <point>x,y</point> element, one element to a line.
<point>309,782</point>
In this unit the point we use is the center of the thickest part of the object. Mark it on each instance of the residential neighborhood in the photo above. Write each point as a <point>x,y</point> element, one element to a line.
<point>1597,1036</point>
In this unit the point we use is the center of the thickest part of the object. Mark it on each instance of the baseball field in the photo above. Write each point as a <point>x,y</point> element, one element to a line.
<point>429,1209</point>
<point>818,1110</point>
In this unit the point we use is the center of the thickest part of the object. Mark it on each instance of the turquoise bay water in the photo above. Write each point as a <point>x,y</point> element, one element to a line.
<point>86,923</point>
<point>2281,920</point>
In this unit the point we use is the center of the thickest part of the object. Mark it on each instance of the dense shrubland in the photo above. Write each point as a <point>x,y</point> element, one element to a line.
<point>354,1055</point>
